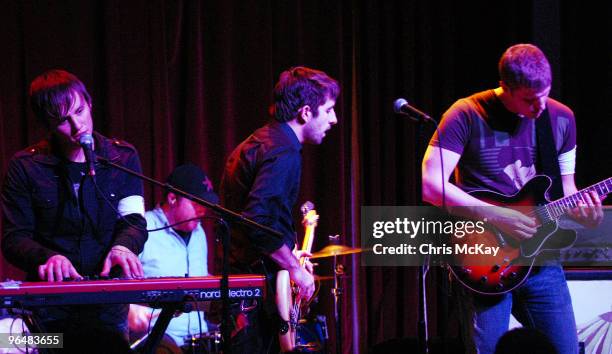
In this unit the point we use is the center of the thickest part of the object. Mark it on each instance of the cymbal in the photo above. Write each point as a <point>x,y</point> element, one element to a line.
<point>335,250</point>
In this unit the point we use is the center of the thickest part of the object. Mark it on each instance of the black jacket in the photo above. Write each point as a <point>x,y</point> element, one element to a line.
<point>43,215</point>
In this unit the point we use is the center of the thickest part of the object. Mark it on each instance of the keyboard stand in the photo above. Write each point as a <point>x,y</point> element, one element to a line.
<point>157,333</point>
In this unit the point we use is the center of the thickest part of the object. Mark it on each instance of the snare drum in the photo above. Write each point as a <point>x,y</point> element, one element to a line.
<point>312,335</point>
<point>205,343</point>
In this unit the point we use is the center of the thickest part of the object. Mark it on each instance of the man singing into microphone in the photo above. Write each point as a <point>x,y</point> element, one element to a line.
<point>59,223</point>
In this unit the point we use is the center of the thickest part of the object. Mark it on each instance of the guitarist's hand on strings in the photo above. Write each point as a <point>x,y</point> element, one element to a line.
<point>589,212</point>
<point>300,276</point>
<point>304,280</point>
<point>512,222</point>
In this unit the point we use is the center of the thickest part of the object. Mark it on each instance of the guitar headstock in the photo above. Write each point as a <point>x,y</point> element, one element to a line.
<point>310,214</point>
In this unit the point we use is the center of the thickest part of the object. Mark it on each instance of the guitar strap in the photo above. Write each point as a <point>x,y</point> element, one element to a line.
<point>547,161</point>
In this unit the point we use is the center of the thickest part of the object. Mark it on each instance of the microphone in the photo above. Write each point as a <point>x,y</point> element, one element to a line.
<point>86,141</point>
<point>401,106</point>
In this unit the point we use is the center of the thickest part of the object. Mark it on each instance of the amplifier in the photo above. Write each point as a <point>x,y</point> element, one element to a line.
<point>593,247</point>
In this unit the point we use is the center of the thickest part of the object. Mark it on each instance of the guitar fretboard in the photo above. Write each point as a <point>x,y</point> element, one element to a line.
<point>559,207</point>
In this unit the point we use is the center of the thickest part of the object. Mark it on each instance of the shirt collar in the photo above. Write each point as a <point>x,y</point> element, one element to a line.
<point>161,216</point>
<point>286,129</point>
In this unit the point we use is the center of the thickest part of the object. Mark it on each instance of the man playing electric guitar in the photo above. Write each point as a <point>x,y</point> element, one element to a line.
<point>498,140</point>
<point>261,180</point>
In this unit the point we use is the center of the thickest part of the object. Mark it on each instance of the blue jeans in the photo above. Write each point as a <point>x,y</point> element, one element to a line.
<point>542,302</point>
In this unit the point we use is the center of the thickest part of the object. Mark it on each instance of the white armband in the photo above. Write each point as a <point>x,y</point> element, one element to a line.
<point>133,204</point>
<point>567,162</point>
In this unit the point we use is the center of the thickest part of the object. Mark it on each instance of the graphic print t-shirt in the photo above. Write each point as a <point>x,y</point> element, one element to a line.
<point>498,147</point>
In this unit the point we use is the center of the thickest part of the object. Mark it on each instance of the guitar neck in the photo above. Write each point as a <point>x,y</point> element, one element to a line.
<point>559,207</point>
<point>308,240</point>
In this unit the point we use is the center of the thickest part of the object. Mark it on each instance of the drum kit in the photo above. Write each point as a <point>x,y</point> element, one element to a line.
<point>312,334</point>
<point>209,342</point>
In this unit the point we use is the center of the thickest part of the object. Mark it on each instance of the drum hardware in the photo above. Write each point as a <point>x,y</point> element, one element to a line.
<point>244,308</point>
<point>312,335</point>
<point>208,342</point>
<point>335,250</point>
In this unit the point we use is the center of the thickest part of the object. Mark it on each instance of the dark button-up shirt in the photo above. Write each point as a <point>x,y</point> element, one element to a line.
<point>44,215</point>
<point>261,180</point>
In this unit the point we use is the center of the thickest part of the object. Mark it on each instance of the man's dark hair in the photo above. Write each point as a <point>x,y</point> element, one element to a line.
<point>52,94</point>
<point>301,86</point>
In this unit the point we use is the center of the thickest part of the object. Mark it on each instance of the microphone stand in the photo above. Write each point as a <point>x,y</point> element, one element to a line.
<point>422,332</point>
<point>419,117</point>
<point>225,214</point>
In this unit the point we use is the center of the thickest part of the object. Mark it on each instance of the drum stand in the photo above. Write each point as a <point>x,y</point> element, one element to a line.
<point>337,291</point>
<point>336,250</point>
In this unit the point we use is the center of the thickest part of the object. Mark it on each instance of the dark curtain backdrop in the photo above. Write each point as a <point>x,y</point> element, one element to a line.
<point>188,80</point>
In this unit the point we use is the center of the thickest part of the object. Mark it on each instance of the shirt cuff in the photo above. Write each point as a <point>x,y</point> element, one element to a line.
<point>567,162</point>
<point>133,204</point>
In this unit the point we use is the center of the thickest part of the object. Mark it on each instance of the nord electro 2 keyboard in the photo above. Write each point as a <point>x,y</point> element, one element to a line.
<point>119,291</point>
